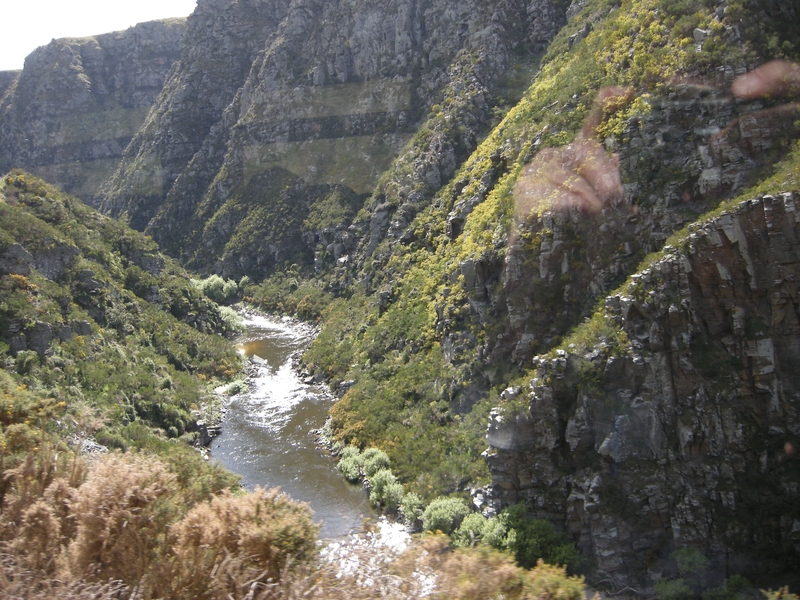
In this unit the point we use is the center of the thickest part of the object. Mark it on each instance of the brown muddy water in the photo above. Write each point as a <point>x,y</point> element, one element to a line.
<point>265,432</point>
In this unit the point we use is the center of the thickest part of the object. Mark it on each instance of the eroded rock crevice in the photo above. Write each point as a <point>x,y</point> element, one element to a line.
<point>686,427</point>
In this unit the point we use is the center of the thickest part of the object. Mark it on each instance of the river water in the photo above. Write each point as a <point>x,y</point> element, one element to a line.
<point>265,432</point>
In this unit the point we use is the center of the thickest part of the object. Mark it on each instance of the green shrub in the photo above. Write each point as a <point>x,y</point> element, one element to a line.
<point>236,387</point>
<point>350,468</point>
<point>393,495</point>
<point>673,589</point>
<point>374,460</point>
<point>530,539</point>
<point>230,319</point>
<point>216,288</point>
<point>412,508</point>
<point>733,588</point>
<point>230,289</point>
<point>690,562</point>
<point>111,439</point>
<point>27,360</point>
<point>444,514</point>
<point>691,565</point>
<point>494,532</point>
<point>471,530</point>
<point>386,491</point>
<point>350,452</point>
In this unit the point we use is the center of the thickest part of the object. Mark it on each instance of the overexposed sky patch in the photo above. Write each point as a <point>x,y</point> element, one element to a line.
<point>28,24</point>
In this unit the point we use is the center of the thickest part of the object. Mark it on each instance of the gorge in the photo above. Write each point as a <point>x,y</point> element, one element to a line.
<point>623,365</point>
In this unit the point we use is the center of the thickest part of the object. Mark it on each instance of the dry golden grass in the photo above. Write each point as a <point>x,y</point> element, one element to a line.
<point>128,527</point>
<point>69,529</point>
<point>431,569</point>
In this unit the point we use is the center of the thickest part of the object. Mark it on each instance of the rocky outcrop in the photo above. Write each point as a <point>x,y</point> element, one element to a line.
<point>676,161</point>
<point>680,427</point>
<point>78,102</point>
<point>7,80</point>
<point>330,94</point>
<point>50,262</point>
<point>223,40</point>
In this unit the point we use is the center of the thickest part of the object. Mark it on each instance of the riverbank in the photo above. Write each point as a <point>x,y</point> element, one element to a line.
<point>266,425</point>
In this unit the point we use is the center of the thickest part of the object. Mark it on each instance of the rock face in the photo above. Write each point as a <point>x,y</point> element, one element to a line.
<point>302,108</point>
<point>69,114</point>
<point>684,428</point>
<point>7,79</point>
<point>343,137</point>
<point>536,284</point>
<point>223,40</point>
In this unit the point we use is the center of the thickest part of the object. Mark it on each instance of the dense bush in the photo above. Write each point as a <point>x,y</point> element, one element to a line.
<point>374,460</point>
<point>350,468</point>
<point>483,572</point>
<point>132,345</point>
<point>258,534</point>
<point>350,452</point>
<point>693,581</point>
<point>529,539</point>
<point>444,514</point>
<point>350,464</point>
<point>230,319</point>
<point>735,587</point>
<point>673,589</point>
<point>471,530</point>
<point>136,520</point>
<point>412,508</point>
<point>288,293</point>
<point>218,289</point>
<point>386,491</point>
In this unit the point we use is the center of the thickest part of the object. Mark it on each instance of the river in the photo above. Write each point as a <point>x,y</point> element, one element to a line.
<point>265,432</point>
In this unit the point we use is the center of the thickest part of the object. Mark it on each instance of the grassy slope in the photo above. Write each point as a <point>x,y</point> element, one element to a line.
<point>138,373</point>
<point>401,400</point>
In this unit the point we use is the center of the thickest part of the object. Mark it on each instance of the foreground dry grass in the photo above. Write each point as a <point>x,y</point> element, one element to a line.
<point>137,527</point>
<point>429,570</point>
<point>121,528</point>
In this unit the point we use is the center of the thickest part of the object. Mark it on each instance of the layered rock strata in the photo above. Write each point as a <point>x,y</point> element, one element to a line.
<point>681,426</point>
<point>303,108</point>
<point>70,113</point>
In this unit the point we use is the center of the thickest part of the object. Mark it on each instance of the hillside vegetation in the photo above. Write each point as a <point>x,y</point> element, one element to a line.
<point>456,309</point>
<point>426,353</point>
<point>609,378</point>
<point>94,317</point>
<point>98,355</point>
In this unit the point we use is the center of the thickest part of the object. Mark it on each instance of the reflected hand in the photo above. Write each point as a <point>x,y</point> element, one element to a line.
<point>581,175</point>
<point>776,78</point>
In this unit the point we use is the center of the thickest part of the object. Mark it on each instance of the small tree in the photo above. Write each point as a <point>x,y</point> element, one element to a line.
<point>444,514</point>
<point>412,509</point>
<point>350,461</point>
<point>374,460</point>
<point>471,530</point>
<point>386,492</point>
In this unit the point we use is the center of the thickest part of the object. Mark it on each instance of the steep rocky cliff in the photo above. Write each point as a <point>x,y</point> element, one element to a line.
<point>78,102</point>
<point>7,79</point>
<point>223,40</point>
<point>678,425</point>
<point>479,282</point>
<point>390,153</point>
<point>244,180</point>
